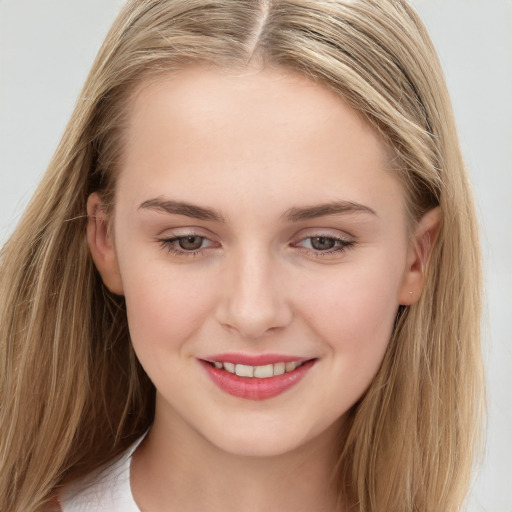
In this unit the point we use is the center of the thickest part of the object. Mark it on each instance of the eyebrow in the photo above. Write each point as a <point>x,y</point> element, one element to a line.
<point>182,208</point>
<point>322,210</point>
<point>291,215</point>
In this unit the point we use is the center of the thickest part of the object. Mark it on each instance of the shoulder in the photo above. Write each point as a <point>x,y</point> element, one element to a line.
<point>108,488</point>
<point>97,491</point>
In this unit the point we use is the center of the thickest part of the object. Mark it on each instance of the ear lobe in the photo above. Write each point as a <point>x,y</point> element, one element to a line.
<point>101,244</point>
<point>420,250</point>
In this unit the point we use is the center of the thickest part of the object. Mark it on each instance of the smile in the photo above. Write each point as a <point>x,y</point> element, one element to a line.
<point>259,372</point>
<point>258,381</point>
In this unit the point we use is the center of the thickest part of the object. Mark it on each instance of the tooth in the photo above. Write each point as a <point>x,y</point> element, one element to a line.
<point>279,368</point>
<point>230,367</point>
<point>243,370</point>
<point>218,365</point>
<point>289,367</point>
<point>262,372</point>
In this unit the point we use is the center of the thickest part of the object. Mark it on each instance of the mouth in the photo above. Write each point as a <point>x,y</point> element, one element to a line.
<point>265,371</point>
<point>256,381</point>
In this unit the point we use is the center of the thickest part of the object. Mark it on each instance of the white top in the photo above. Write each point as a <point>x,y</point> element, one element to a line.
<point>106,490</point>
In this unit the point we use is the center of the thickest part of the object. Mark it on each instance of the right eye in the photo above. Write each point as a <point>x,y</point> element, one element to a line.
<point>187,245</point>
<point>190,243</point>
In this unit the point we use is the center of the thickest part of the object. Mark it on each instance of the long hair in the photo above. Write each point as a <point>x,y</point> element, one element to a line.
<point>72,394</point>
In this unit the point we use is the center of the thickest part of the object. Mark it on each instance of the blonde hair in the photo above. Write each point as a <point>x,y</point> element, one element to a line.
<point>72,393</point>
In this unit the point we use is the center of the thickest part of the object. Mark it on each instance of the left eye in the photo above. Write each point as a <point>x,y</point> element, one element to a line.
<point>325,244</point>
<point>322,243</point>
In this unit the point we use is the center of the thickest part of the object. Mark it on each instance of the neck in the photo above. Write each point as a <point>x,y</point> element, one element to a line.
<point>176,468</point>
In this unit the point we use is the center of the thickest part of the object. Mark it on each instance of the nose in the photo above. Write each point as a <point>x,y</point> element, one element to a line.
<point>254,299</point>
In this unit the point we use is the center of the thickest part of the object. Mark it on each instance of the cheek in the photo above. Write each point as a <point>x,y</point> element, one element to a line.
<point>353,314</point>
<point>164,308</point>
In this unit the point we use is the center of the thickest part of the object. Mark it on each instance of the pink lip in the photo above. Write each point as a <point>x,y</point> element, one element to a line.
<point>253,359</point>
<point>254,388</point>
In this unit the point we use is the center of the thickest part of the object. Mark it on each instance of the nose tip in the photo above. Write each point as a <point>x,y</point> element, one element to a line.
<point>252,322</point>
<point>254,303</point>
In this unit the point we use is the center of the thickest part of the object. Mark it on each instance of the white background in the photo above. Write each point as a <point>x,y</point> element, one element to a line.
<point>47,48</point>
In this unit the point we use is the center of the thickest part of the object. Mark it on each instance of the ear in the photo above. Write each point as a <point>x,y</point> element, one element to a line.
<point>420,250</point>
<point>101,244</point>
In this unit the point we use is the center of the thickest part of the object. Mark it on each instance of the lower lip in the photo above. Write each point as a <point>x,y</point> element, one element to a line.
<point>252,388</point>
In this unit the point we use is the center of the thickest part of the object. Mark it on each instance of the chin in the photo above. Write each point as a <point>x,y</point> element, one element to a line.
<point>266,439</point>
<point>261,446</point>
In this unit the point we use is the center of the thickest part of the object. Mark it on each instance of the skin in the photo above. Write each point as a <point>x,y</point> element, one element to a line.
<point>252,146</point>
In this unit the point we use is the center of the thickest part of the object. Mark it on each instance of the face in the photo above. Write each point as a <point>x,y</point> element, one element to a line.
<point>256,229</point>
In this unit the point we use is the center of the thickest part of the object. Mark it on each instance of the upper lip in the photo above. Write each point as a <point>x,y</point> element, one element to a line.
<point>254,359</point>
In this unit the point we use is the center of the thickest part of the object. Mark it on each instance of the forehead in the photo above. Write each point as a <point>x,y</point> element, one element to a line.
<point>273,132</point>
<point>200,96</point>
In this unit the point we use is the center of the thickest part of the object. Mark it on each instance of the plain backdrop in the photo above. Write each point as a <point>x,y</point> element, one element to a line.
<point>47,48</point>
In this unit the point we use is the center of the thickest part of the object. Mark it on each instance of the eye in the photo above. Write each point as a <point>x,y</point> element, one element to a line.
<point>190,243</point>
<point>324,245</point>
<point>186,245</point>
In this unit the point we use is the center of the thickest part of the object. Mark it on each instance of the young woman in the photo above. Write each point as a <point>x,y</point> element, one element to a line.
<point>250,277</point>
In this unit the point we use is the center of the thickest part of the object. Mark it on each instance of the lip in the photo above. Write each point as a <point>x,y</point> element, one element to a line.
<point>254,388</point>
<point>254,359</point>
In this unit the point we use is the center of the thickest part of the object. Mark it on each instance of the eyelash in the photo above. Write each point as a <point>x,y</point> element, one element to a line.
<point>341,245</point>
<point>171,245</point>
